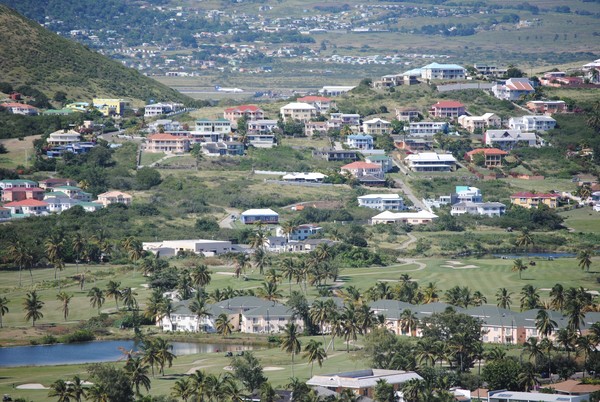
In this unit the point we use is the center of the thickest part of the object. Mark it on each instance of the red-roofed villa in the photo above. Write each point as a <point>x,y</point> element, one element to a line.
<point>360,169</point>
<point>451,109</point>
<point>493,156</point>
<point>250,112</point>
<point>167,143</point>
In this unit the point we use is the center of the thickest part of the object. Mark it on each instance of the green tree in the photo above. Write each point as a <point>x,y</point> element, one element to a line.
<point>78,391</point>
<point>584,259</point>
<point>129,299</point>
<point>112,290</point>
<point>525,239</point>
<point>61,390</point>
<point>384,392</point>
<point>503,298</point>
<point>223,325</point>
<point>111,383</point>
<point>269,291</point>
<point>64,299</point>
<point>530,298</point>
<point>502,374</point>
<point>147,177</point>
<point>290,341</point>
<point>544,324</point>
<point>164,353</point>
<point>248,370</point>
<point>200,309</point>
<point>3,308</point>
<point>22,256</point>
<point>201,276</point>
<point>33,307</point>
<point>137,371</point>
<point>519,266</point>
<point>314,352</point>
<point>55,252</point>
<point>557,295</point>
<point>183,388</point>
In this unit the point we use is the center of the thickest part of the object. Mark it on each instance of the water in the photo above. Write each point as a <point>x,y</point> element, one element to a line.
<point>93,352</point>
<point>513,256</point>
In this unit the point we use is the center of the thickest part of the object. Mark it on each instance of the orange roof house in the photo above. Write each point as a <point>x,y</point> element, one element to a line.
<point>493,156</point>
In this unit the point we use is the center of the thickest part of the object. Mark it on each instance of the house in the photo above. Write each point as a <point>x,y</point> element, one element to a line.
<point>315,128</point>
<point>28,207</point>
<point>8,183</point>
<point>78,106</point>
<point>321,103</point>
<point>532,200</point>
<point>301,232</point>
<point>359,141</point>
<point>170,248</point>
<point>158,109</point>
<point>492,156</point>
<point>513,89</point>
<point>509,139</point>
<point>165,125</point>
<point>111,107</point>
<point>49,184</point>
<point>63,137</point>
<point>331,90</point>
<point>514,396</point>
<point>20,108</point>
<point>298,111</point>
<point>430,162</point>
<point>114,197</point>
<point>532,123</point>
<point>234,148</point>
<point>489,70</point>
<point>363,382</point>
<point>240,304</point>
<point>436,71</point>
<point>249,112</point>
<point>4,214</point>
<point>475,123</point>
<point>76,148</point>
<point>547,107</point>
<point>22,193</point>
<point>73,192</point>
<point>336,155</point>
<point>269,319</point>
<point>407,114</point>
<point>182,319</point>
<point>412,144</point>
<point>389,81</point>
<point>265,216</point>
<point>383,160</point>
<point>466,194</point>
<point>60,204</point>
<point>261,126</point>
<point>427,128</point>
<point>412,218</point>
<point>265,140</point>
<point>376,126</point>
<point>339,120</point>
<point>382,202</point>
<point>215,129</point>
<point>447,109</point>
<point>167,143</point>
<point>360,169</point>
<point>573,387</point>
<point>304,177</point>
<point>478,208</point>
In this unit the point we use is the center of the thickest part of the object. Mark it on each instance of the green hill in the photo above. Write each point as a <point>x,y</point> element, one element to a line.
<point>31,55</point>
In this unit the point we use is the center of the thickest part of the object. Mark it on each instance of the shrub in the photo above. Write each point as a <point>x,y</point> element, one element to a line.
<point>82,335</point>
<point>48,340</point>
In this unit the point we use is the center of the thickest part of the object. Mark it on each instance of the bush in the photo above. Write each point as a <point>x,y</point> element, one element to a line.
<point>48,340</point>
<point>146,178</point>
<point>82,335</point>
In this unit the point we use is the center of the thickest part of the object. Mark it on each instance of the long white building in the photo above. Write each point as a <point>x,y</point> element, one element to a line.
<point>170,248</point>
<point>382,202</point>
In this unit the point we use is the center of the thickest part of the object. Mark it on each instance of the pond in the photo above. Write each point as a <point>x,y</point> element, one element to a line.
<point>513,256</point>
<point>94,352</point>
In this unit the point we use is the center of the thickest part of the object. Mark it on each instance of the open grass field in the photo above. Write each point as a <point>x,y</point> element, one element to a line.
<point>582,220</point>
<point>19,152</point>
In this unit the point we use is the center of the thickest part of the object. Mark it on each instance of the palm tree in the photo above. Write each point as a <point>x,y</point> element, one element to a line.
<point>503,298</point>
<point>290,342</point>
<point>267,393</point>
<point>273,276</point>
<point>200,309</point>
<point>287,228</point>
<point>530,298</point>
<point>558,297</point>
<point>365,318</point>
<point>425,352</point>
<point>241,263</point>
<point>98,393</point>
<point>135,250</point>
<point>261,259</point>
<point>519,266</point>
<point>55,252</point>
<point>288,270</point>
<point>184,285</point>
<point>479,298</point>
<point>112,290</point>
<point>544,323</point>
<point>269,291</point>
<point>314,352</point>
<point>584,346</point>
<point>137,371</point>
<point>60,389</point>
<point>201,276</point>
<point>65,299</point>
<point>198,384</point>
<point>165,356</point>
<point>150,354</point>
<point>533,349</point>
<point>223,325</point>
<point>430,293</point>
<point>495,354</point>
<point>525,239</point>
<point>129,299</point>
<point>408,322</point>
<point>576,315</point>
<point>350,328</point>
<point>96,296</point>
<point>78,244</point>
<point>528,377</point>
<point>566,338</point>
<point>319,313</point>
<point>33,306</point>
<point>77,389</point>
<point>22,257</point>
<point>183,388</point>
<point>412,390</point>
<point>584,259</point>
<point>3,308</point>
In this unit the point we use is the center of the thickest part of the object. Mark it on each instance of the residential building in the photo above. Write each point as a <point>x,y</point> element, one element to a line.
<point>265,140</point>
<point>389,81</point>
<point>509,139</point>
<point>304,177</point>
<point>436,71</point>
<point>412,218</point>
<point>63,137</point>
<point>166,125</point>
<point>234,148</point>
<point>547,107</point>
<point>407,113</point>
<point>551,76</point>
<point>574,387</point>
<point>167,143</point>
<point>301,232</point>
<point>483,122</point>
<point>265,216</point>
<point>215,128</point>
<point>269,319</point>
<point>170,248</point>
<point>73,192</point>
<point>4,214</point>
<point>376,126</point>
<point>514,396</point>
<point>48,184</point>
<point>22,193</point>
<point>430,162</point>
<point>359,141</point>
<point>158,109</point>
<point>249,112</point>
<point>478,208</point>
<point>361,169</point>
<point>466,194</point>
<point>532,123</point>
<point>489,70</point>
<point>447,109</point>
<point>114,197</point>
<point>315,128</point>
<point>382,202</point>
<point>331,90</point>
<point>532,200</point>
<point>321,103</point>
<point>513,89</point>
<point>78,106</point>
<point>427,128</point>
<point>182,319</point>
<point>111,107</point>
<point>261,126</point>
<point>298,111</point>
<point>412,144</point>
<point>20,108</point>
<point>492,156</point>
<point>362,383</point>
<point>339,120</point>
<point>336,155</point>
<point>76,148</point>
<point>8,183</point>
<point>28,207</point>
<point>383,160</point>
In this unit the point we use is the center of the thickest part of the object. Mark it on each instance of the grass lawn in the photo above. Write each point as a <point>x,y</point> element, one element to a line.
<point>582,220</point>
<point>150,157</point>
<point>19,152</point>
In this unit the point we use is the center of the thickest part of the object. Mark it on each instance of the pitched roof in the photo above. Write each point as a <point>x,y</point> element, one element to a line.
<point>487,151</point>
<point>17,189</point>
<point>361,165</point>
<point>519,84</point>
<point>14,104</point>
<point>526,194</point>
<point>162,136</point>
<point>27,203</point>
<point>574,387</point>
<point>243,108</point>
<point>307,99</point>
<point>114,194</point>
<point>447,104</point>
<point>298,105</point>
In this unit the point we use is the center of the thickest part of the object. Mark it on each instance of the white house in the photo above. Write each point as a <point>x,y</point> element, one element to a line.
<point>333,90</point>
<point>266,216</point>
<point>28,207</point>
<point>472,123</point>
<point>508,139</point>
<point>157,109</point>
<point>360,169</point>
<point>261,126</point>
<point>377,126</point>
<point>214,130</point>
<point>298,111</point>
<point>63,137</point>
<point>338,120</point>
<point>436,71</point>
<point>478,208</point>
<point>170,248</point>
<point>269,319</point>
<point>360,141</point>
<point>430,162</point>
<point>427,128</point>
<point>304,177</point>
<point>182,319</point>
<point>413,218</point>
<point>300,232</point>
<point>383,160</point>
<point>382,202</point>
<point>514,396</point>
<point>513,89</point>
<point>532,123</point>
<point>466,194</point>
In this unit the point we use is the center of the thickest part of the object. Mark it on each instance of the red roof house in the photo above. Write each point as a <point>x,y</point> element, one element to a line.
<point>250,112</point>
<point>493,156</point>
<point>451,109</point>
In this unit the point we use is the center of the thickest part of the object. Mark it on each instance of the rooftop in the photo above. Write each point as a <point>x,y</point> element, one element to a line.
<point>361,165</point>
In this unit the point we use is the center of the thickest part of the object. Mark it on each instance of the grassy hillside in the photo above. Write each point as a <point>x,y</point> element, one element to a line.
<point>34,56</point>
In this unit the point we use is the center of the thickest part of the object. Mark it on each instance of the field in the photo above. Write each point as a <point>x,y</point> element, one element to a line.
<point>19,152</point>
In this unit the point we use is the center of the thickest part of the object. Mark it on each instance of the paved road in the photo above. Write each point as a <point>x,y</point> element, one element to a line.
<point>406,189</point>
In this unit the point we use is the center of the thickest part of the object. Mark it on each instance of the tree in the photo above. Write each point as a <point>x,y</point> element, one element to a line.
<point>350,328</point>
<point>3,308</point>
<point>33,307</point>
<point>525,239</point>
<point>558,297</point>
<point>528,377</point>
<point>164,353</point>
<point>129,299</point>
<point>111,383</point>
<point>150,354</point>
<point>384,392</point>
<point>55,252</point>
<point>408,322</point>
<point>503,298</point>
<point>533,350</point>
<point>183,388</point>
<point>314,352</point>
<point>544,323</point>
<point>137,370</point>
<point>64,299</point>
<point>290,341</point>
<point>78,244</point>
<point>412,390</point>
<point>112,290</point>
<point>519,266</point>
<point>502,374</point>
<point>241,263</point>
<point>96,296</point>
<point>288,270</point>
<point>61,390</point>
<point>249,371</point>
<point>201,276</point>
<point>223,325</point>
<point>22,256</point>
<point>530,298</point>
<point>267,393</point>
<point>78,391</point>
<point>319,313</point>
<point>147,177</point>
<point>200,309</point>
<point>269,291</point>
<point>584,259</point>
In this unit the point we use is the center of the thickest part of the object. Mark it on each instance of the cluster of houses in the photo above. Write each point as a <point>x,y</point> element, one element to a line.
<point>106,106</point>
<point>25,198</point>
<point>68,141</point>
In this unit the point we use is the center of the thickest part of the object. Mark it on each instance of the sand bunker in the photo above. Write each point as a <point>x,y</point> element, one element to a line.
<point>31,386</point>
<point>453,262</point>
<point>459,267</point>
<point>225,273</point>
<point>272,368</point>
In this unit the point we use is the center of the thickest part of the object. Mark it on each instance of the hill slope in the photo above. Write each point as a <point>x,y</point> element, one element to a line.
<point>34,56</point>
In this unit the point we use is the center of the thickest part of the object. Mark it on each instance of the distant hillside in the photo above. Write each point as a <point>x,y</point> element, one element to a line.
<point>32,55</point>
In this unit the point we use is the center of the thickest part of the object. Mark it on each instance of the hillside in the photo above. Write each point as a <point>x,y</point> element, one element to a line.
<point>34,56</point>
